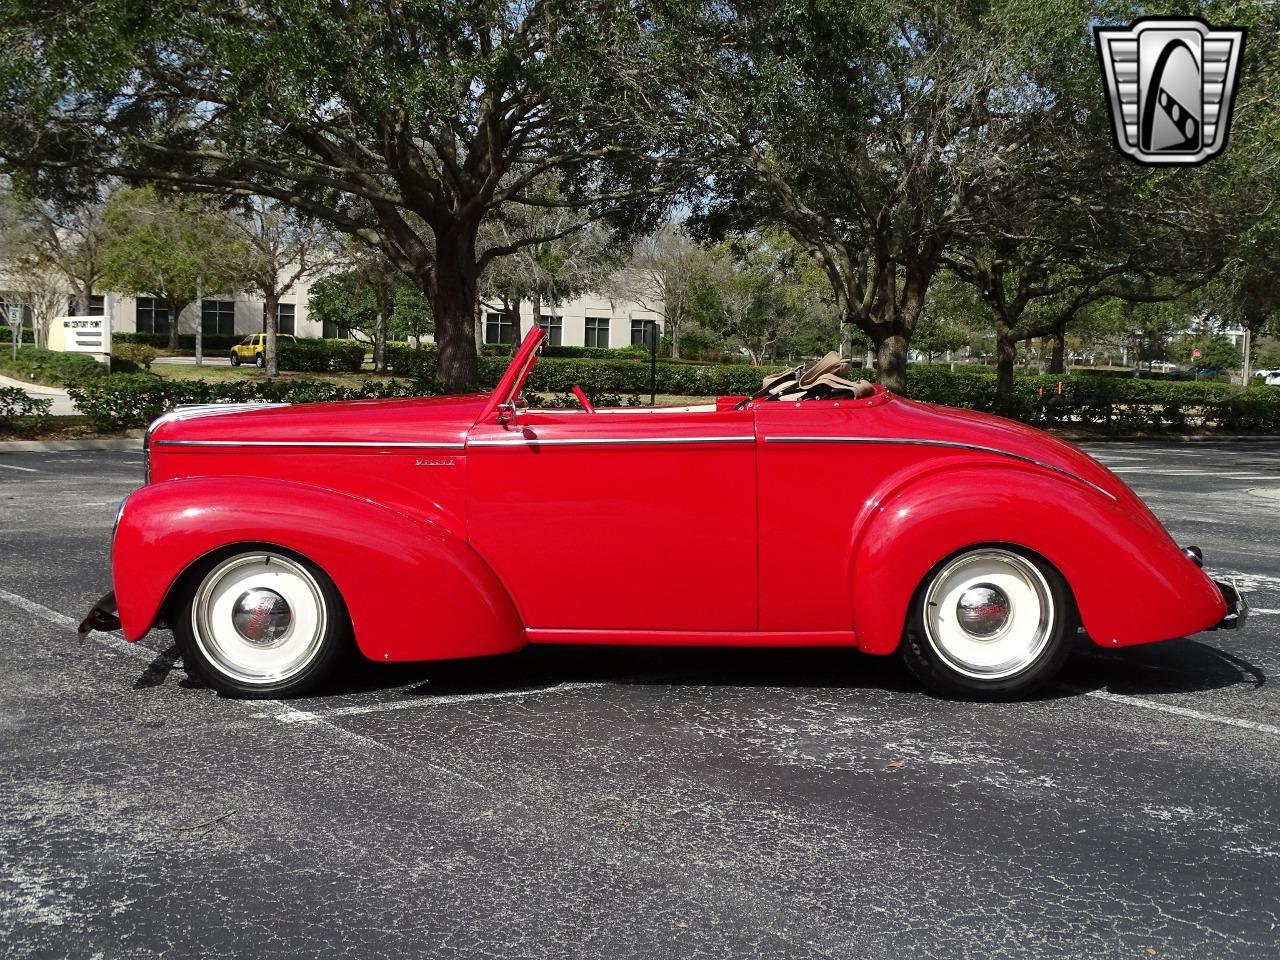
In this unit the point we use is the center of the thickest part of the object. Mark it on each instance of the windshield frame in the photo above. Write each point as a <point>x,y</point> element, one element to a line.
<point>517,372</point>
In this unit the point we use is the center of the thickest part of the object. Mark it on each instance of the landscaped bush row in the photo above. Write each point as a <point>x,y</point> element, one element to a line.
<point>573,353</point>
<point>1123,402</point>
<point>6,335</point>
<point>50,366</point>
<point>132,357</point>
<point>318,356</point>
<point>15,405</point>
<point>128,400</point>
<point>406,361</point>
<point>555,375</point>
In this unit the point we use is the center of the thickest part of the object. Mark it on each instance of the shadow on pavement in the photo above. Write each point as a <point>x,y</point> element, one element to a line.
<point>1176,666</point>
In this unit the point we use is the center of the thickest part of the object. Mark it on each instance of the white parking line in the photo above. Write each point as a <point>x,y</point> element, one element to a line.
<point>1190,714</point>
<point>303,716</point>
<point>114,640</point>
<point>10,466</point>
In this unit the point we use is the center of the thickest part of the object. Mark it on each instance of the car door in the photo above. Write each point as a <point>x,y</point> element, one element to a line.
<point>619,519</point>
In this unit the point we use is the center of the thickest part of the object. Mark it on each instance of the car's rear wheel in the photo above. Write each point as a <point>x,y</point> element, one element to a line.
<point>259,360</point>
<point>235,359</point>
<point>990,622</point>
<point>259,624</point>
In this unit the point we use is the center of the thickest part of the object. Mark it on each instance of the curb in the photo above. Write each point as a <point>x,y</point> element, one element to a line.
<point>131,443</point>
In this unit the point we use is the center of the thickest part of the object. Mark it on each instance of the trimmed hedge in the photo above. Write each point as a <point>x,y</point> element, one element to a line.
<point>50,366</point>
<point>15,404</point>
<point>406,361</point>
<point>319,356</point>
<point>127,400</point>
<point>1120,402</point>
<point>132,357</point>
<point>6,334</point>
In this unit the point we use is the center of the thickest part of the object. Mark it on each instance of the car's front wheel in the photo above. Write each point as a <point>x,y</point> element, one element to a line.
<point>990,622</point>
<point>260,624</point>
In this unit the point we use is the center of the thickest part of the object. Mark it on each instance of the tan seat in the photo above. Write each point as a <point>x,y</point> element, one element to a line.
<point>823,381</point>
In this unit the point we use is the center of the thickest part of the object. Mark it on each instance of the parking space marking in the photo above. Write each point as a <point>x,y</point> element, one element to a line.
<point>114,640</point>
<point>303,716</point>
<point>1187,712</point>
<point>10,466</point>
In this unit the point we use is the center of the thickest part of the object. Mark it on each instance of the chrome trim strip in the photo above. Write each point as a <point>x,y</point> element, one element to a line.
<point>308,443</point>
<point>603,441</point>
<point>952,444</point>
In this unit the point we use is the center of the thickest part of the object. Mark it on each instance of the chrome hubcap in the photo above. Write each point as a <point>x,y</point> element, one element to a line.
<point>982,611</point>
<point>989,614</point>
<point>261,616</point>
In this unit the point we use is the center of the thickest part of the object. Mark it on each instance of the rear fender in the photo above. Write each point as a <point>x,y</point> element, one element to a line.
<point>414,591</point>
<point>1130,582</point>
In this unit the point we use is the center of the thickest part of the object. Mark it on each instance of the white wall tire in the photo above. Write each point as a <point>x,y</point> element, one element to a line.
<point>260,623</point>
<point>991,622</point>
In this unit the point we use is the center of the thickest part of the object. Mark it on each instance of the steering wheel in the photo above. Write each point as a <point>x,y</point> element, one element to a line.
<point>582,399</point>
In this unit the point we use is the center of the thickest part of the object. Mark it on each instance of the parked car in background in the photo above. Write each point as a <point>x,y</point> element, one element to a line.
<point>251,348</point>
<point>1272,379</point>
<point>1163,366</point>
<point>1207,373</point>
<point>272,538</point>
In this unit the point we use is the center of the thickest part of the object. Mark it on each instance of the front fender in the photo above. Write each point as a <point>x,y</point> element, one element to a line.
<point>414,591</point>
<point>1130,581</point>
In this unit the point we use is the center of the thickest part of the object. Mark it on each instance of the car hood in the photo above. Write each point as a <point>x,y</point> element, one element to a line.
<point>413,420</point>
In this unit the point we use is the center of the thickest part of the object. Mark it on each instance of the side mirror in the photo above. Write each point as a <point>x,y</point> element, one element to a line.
<point>506,414</point>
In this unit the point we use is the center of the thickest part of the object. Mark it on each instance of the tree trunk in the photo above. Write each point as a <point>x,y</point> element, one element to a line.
<point>452,288</point>
<point>270,327</point>
<point>1006,358</point>
<point>675,339</point>
<point>199,321</point>
<point>175,312</point>
<point>891,361</point>
<point>1058,359</point>
<point>380,333</point>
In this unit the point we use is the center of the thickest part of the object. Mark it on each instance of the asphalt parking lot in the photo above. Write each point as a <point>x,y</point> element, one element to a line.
<point>638,803</point>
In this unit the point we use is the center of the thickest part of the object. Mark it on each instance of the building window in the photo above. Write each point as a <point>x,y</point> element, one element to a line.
<point>641,331</point>
<point>284,318</point>
<point>499,328</point>
<point>97,306</point>
<point>554,328</point>
<point>218,317</point>
<point>331,331</point>
<point>597,332</point>
<point>152,317</point>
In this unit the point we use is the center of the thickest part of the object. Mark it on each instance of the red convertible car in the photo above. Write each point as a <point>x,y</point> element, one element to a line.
<point>817,512</point>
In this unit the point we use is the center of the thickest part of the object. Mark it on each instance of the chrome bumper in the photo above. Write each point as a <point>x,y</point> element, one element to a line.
<point>1237,608</point>
<point>104,617</point>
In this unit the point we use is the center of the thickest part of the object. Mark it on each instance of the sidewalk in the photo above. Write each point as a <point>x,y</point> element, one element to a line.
<point>62,405</point>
